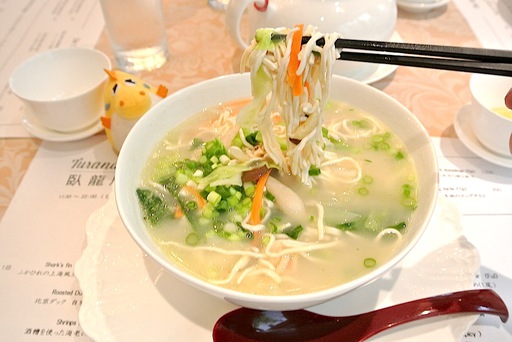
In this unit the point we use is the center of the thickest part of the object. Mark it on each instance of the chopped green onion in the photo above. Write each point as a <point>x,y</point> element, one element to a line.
<point>192,239</point>
<point>369,262</point>
<point>293,232</point>
<point>409,203</point>
<point>363,191</point>
<point>196,143</point>
<point>398,226</point>
<point>208,211</point>
<point>406,190</point>
<point>191,205</point>
<point>249,189</point>
<point>214,197</point>
<point>224,159</point>
<point>314,171</point>
<point>360,123</point>
<point>325,132</point>
<point>252,138</point>
<point>346,225</point>
<point>270,197</point>
<point>181,178</point>
<point>399,155</point>
<point>368,179</point>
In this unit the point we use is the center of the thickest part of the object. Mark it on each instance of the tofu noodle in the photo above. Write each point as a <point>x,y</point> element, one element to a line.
<point>284,193</point>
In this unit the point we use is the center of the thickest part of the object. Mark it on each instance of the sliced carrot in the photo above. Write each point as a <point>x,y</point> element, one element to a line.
<point>162,91</point>
<point>308,87</point>
<point>257,201</point>
<point>178,213</point>
<point>200,200</point>
<point>294,80</point>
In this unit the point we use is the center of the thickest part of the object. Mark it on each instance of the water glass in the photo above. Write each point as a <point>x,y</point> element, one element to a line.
<point>218,4</point>
<point>136,30</point>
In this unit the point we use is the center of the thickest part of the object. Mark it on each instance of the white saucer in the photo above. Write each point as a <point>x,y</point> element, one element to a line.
<point>465,133</point>
<point>383,70</point>
<point>38,131</point>
<point>127,296</point>
<point>418,7</point>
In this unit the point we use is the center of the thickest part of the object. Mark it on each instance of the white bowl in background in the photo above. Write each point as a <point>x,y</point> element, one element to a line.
<point>494,131</point>
<point>63,88</point>
<point>155,124</point>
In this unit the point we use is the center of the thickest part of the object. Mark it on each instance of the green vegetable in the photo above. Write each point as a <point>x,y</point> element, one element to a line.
<point>293,232</point>
<point>154,207</point>
<point>363,191</point>
<point>269,196</point>
<point>254,138</point>
<point>399,155</point>
<point>266,38</point>
<point>261,86</point>
<point>189,211</point>
<point>229,174</point>
<point>214,148</point>
<point>368,179</point>
<point>347,225</point>
<point>398,226</point>
<point>196,143</point>
<point>314,171</point>
<point>361,124</point>
<point>192,239</point>
<point>369,262</point>
<point>408,196</point>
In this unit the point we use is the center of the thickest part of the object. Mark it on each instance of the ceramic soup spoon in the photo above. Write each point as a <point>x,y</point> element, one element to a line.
<point>244,325</point>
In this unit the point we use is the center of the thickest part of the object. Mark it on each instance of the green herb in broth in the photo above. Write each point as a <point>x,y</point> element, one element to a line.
<point>154,207</point>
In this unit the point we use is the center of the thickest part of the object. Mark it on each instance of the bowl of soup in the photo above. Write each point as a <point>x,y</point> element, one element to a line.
<point>244,230</point>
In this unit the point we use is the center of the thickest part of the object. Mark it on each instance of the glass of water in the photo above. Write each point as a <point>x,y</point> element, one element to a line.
<point>136,30</point>
<point>218,4</point>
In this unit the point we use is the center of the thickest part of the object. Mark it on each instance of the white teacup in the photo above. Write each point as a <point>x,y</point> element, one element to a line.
<point>492,129</point>
<point>63,88</point>
<point>353,19</point>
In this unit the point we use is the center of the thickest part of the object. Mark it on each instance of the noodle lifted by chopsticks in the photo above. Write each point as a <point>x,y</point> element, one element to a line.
<point>293,82</point>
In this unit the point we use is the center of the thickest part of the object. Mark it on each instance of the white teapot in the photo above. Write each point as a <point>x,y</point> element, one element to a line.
<point>353,19</point>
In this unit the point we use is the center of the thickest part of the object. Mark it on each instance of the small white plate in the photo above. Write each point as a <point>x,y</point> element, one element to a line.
<point>127,296</point>
<point>464,130</point>
<point>383,70</point>
<point>418,7</point>
<point>41,132</point>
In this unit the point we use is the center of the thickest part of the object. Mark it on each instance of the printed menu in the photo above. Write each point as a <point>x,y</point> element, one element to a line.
<point>490,20</point>
<point>28,27</point>
<point>42,234</point>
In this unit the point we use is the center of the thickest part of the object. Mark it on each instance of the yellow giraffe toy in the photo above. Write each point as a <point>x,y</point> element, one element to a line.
<point>127,98</point>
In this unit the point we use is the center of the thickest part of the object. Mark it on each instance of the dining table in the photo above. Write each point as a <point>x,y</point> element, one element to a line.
<point>68,271</point>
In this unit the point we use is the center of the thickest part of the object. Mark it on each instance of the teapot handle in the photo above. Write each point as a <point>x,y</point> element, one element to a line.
<point>234,12</point>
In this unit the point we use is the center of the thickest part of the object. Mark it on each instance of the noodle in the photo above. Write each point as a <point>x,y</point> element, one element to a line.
<point>337,179</point>
<point>302,114</point>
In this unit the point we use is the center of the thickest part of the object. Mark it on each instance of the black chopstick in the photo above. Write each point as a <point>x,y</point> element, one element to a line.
<point>465,59</point>
<point>458,52</point>
<point>462,65</point>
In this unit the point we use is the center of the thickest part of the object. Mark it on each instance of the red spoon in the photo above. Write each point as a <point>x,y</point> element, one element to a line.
<point>244,325</point>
